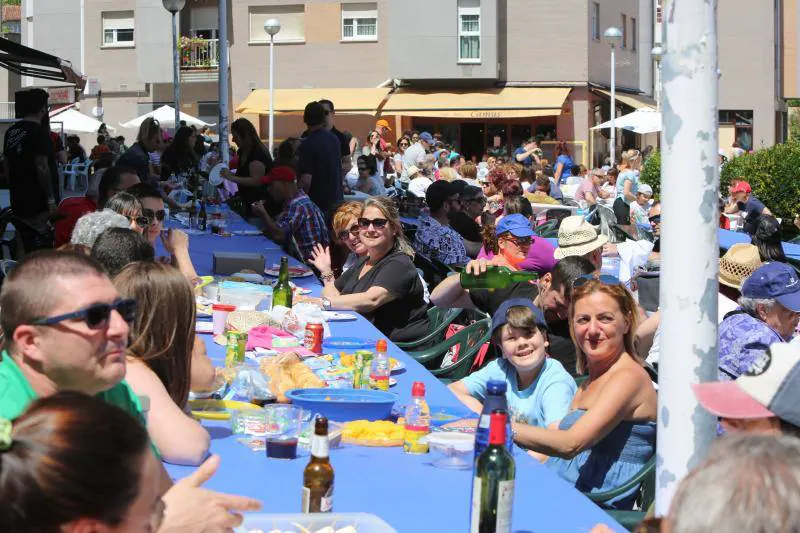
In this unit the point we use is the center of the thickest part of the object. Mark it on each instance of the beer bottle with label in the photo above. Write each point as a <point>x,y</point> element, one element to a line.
<point>495,278</point>
<point>318,475</point>
<point>493,484</point>
<point>282,292</point>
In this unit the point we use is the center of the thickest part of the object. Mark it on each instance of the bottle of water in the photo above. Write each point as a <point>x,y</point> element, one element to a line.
<point>495,399</point>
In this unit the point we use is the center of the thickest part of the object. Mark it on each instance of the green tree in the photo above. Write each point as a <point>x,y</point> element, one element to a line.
<point>651,173</point>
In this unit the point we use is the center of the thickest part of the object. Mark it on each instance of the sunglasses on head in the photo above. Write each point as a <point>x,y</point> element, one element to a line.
<point>605,279</point>
<point>655,219</point>
<point>347,232</point>
<point>154,215</point>
<point>96,316</point>
<point>378,223</point>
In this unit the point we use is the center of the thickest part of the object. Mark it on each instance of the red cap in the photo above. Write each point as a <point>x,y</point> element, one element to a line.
<point>381,346</point>
<point>223,307</point>
<point>282,173</point>
<point>418,389</point>
<point>741,186</point>
<point>497,428</point>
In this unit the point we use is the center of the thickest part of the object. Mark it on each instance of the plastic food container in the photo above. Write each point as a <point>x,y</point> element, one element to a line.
<point>299,523</point>
<point>345,405</point>
<point>454,451</point>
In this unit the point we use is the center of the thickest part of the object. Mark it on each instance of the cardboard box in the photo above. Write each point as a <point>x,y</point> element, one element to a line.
<point>226,263</point>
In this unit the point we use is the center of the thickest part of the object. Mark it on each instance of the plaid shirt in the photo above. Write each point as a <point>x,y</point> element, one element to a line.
<point>303,220</point>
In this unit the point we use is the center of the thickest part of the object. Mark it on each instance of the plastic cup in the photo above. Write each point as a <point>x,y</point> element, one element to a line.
<point>284,424</point>
<point>219,316</point>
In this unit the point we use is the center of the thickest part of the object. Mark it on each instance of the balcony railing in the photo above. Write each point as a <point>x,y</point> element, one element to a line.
<point>199,54</point>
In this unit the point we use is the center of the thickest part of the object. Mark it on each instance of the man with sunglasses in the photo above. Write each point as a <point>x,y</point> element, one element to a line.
<point>463,221</point>
<point>66,328</point>
<point>434,237</point>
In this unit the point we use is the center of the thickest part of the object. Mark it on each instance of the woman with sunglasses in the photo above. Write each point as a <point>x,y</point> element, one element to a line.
<point>130,207</point>
<point>610,432</point>
<point>72,462</point>
<point>402,145</point>
<point>175,241</point>
<point>345,232</point>
<point>384,285</point>
<point>161,362</point>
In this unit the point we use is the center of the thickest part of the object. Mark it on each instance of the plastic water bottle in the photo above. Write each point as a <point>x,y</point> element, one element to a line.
<point>495,399</point>
<point>417,421</point>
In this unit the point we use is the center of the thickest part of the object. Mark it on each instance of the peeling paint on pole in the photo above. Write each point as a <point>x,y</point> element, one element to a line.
<point>689,248</point>
<point>224,74</point>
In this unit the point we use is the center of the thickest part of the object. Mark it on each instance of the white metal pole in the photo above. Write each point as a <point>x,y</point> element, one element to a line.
<point>222,59</point>
<point>271,92</point>
<point>176,71</point>
<point>689,247</point>
<point>612,144</point>
<point>658,85</point>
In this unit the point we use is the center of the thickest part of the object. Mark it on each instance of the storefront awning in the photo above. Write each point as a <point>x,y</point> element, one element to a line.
<point>636,101</point>
<point>508,102</point>
<point>293,101</point>
<point>36,64</point>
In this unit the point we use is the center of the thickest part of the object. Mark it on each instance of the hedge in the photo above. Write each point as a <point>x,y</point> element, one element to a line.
<point>773,173</point>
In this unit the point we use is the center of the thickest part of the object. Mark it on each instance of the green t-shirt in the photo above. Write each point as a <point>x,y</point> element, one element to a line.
<point>16,393</point>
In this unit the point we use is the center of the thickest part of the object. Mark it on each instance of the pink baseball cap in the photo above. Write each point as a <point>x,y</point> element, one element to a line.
<point>771,388</point>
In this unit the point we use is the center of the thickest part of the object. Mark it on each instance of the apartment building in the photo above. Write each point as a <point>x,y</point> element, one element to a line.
<point>470,69</point>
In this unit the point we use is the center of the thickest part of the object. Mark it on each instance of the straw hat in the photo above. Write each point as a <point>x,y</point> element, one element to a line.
<point>412,171</point>
<point>738,263</point>
<point>577,237</point>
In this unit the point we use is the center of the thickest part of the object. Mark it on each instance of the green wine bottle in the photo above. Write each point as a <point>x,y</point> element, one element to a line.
<point>493,485</point>
<point>282,292</point>
<point>496,278</point>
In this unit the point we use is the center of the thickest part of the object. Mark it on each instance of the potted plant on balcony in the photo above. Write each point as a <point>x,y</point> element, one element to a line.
<point>188,47</point>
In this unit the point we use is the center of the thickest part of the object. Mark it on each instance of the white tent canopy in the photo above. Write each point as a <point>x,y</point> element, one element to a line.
<point>165,115</point>
<point>76,122</point>
<point>640,121</point>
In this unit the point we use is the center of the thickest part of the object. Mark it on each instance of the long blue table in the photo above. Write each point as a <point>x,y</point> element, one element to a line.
<point>407,491</point>
<point>728,238</point>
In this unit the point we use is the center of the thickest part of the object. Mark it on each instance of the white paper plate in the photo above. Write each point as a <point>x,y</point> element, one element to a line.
<point>275,271</point>
<point>215,174</point>
<point>336,316</point>
<point>247,233</point>
<point>203,326</point>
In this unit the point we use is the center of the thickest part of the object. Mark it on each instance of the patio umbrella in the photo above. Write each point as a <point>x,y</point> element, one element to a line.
<point>640,121</point>
<point>74,121</point>
<point>165,115</point>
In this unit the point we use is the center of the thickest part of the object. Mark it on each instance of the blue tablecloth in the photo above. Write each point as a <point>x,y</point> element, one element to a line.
<point>405,490</point>
<point>728,238</point>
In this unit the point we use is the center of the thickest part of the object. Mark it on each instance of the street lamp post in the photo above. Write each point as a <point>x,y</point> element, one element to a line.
<point>657,53</point>
<point>174,7</point>
<point>272,27</point>
<point>613,36</point>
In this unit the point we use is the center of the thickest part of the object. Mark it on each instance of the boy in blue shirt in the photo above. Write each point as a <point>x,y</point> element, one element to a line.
<point>539,390</point>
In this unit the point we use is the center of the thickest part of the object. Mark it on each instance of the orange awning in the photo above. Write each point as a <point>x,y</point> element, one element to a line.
<point>294,101</point>
<point>508,102</point>
<point>636,101</point>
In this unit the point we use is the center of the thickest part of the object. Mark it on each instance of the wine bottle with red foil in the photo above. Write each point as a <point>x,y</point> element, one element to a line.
<point>493,484</point>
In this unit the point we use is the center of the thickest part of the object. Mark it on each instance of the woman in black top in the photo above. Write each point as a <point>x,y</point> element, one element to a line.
<point>137,156</point>
<point>255,162</point>
<point>384,286</point>
<point>179,156</point>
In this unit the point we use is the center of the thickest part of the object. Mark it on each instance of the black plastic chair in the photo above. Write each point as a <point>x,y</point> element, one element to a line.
<point>432,274</point>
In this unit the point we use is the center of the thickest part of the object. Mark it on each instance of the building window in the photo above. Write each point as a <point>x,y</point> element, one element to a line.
<point>360,22</point>
<point>469,31</point>
<point>595,21</point>
<point>736,126</point>
<point>118,28</point>
<point>624,29</point>
<point>633,34</point>
<point>293,23</point>
<point>208,112</point>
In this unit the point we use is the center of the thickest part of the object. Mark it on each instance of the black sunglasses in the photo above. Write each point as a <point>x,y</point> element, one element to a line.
<point>157,215</point>
<point>346,232</point>
<point>378,223</point>
<point>96,316</point>
<point>605,279</point>
<point>141,221</point>
<point>655,219</point>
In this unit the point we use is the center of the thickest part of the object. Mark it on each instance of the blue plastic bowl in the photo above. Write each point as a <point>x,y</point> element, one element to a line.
<point>345,405</point>
<point>347,344</point>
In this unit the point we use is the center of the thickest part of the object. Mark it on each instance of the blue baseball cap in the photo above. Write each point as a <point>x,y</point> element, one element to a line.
<point>427,137</point>
<point>518,225</point>
<point>775,281</point>
<point>500,318</point>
